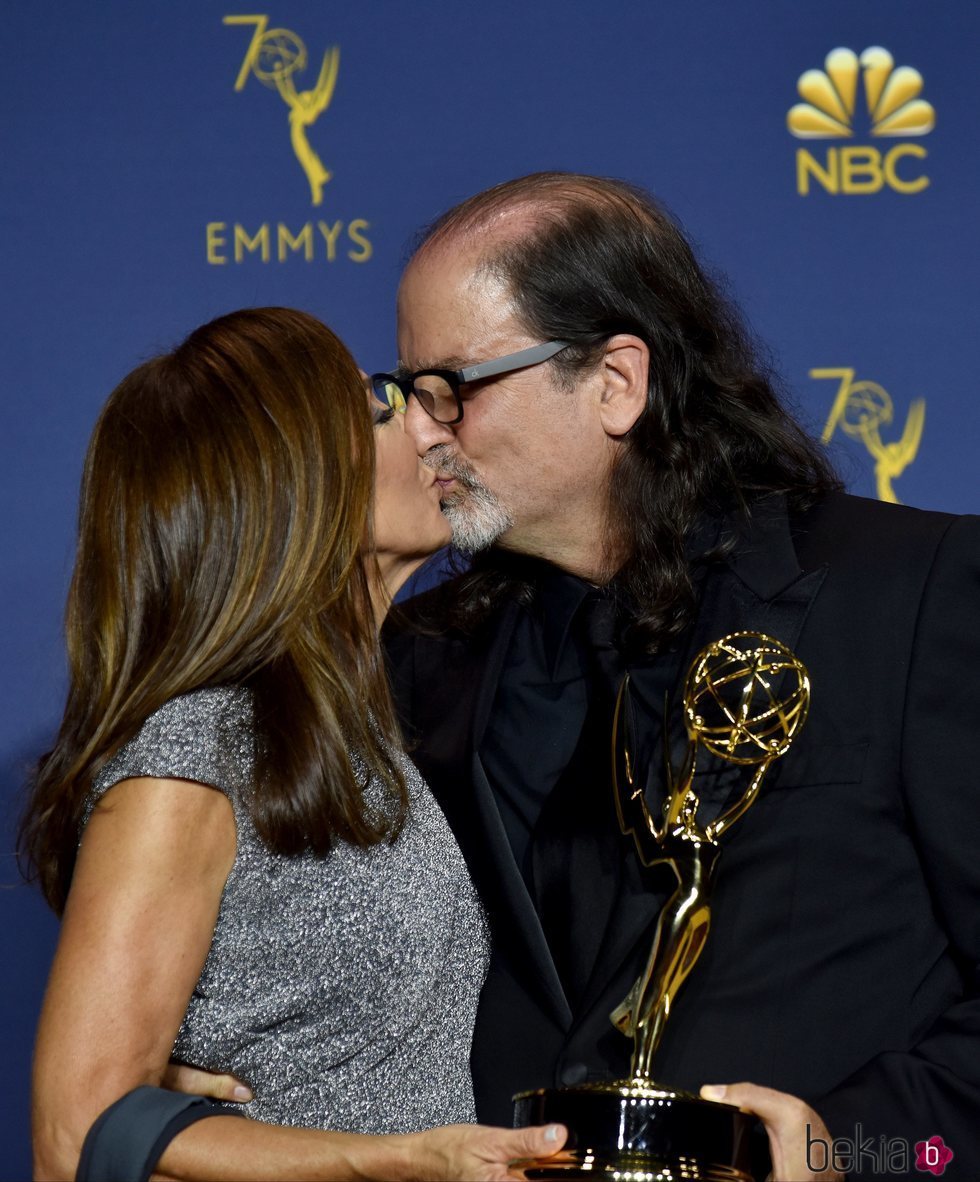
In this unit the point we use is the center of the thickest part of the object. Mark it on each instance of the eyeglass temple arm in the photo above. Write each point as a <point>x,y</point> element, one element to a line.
<point>519,360</point>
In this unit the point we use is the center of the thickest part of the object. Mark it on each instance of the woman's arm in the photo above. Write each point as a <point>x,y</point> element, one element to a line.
<point>136,931</point>
<point>218,1149</point>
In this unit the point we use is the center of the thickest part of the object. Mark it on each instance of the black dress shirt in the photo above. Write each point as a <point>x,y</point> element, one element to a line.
<point>543,696</point>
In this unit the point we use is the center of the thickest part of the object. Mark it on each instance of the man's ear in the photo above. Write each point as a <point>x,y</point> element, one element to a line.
<point>625,372</point>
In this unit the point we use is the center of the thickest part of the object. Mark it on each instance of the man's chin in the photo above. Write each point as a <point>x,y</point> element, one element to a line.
<point>468,546</point>
<point>473,533</point>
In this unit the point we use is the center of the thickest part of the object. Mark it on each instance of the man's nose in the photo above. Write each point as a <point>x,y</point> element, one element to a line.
<point>426,433</point>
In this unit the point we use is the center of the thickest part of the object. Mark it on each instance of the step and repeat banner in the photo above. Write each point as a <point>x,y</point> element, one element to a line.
<point>170,160</point>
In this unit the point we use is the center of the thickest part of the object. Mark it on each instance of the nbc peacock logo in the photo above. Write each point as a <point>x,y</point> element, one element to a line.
<point>893,108</point>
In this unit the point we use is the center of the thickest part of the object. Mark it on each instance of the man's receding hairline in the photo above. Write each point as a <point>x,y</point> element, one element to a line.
<point>486,231</point>
<point>525,203</point>
<point>496,221</point>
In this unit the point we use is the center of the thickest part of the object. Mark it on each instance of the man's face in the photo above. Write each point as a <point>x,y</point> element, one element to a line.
<point>528,456</point>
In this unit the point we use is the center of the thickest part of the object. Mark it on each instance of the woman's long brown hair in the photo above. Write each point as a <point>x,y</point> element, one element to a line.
<point>224,508</point>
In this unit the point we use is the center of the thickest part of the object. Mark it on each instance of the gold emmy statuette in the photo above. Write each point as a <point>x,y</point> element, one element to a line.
<point>745,699</point>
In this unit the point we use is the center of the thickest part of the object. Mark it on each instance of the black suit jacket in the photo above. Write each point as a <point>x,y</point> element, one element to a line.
<point>842,964</point>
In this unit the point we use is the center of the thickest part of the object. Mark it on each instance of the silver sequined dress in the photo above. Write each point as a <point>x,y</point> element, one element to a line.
<point>342,989</point>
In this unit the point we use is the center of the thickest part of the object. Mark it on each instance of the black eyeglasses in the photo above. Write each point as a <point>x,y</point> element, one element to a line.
<point>437,390</point>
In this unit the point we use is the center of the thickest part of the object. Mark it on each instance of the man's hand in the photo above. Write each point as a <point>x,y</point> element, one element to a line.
<point>789,1121</point>
<point>192,1082</point>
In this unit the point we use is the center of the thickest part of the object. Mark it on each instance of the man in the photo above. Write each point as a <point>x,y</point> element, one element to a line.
<point>610,450</point>
<point>616,460</point>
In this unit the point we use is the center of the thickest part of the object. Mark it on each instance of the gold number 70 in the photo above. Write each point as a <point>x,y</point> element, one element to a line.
<point>846,377</point>
<point>261,24</point>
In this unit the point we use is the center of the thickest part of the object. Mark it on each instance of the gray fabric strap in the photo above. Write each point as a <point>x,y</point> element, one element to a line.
<point>127,1140</point>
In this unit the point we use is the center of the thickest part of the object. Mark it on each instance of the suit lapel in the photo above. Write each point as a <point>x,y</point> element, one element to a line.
<point>460,683</point>
<point>453,681</point>
<point>760,588</point>
<point>514,918</point>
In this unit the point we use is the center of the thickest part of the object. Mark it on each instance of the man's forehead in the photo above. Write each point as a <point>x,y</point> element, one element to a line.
<point>439,276</point>
<point>452,313</point>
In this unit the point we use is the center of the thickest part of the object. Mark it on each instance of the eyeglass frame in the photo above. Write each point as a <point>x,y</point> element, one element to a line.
<point>454,378</point>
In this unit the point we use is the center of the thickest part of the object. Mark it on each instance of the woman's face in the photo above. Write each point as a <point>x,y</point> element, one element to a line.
<point>408,522</point>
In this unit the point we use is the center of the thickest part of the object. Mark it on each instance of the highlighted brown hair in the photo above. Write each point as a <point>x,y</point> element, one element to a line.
<point>224,507</point>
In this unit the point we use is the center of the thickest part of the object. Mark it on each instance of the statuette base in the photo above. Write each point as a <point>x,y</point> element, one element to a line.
<point>636,1131</point>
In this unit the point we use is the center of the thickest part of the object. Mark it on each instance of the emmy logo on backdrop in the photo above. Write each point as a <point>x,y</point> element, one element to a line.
<point>861,409</point>
<point>745,700</point>
<point>275,57</point>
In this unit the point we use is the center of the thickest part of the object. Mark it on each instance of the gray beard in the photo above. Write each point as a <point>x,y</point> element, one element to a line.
<point>475,515</point>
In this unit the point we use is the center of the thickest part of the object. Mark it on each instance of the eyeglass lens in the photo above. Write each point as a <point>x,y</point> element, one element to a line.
<point>390,394</point>
<point>437,397</point>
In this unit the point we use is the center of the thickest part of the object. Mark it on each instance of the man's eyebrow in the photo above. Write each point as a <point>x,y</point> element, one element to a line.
<point>453,362</point>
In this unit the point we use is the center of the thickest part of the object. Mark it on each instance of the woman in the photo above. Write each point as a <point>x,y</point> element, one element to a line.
<point>262,875</point>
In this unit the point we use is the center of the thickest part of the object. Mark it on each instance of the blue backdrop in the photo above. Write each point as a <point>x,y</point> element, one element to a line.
<point>166,162</point>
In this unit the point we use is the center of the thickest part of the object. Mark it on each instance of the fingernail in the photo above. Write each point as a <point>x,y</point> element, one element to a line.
<point>242,1093</point>
<point>714,1091</point>
<point>552,1133</point>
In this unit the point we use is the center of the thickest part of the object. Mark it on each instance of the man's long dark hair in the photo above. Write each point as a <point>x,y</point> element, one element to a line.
<point>599,257</point>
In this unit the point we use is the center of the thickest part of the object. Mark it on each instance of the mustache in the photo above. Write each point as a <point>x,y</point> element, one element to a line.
<point>442,458</point>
